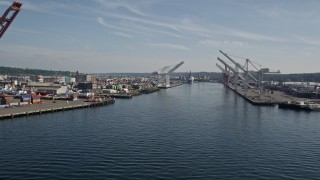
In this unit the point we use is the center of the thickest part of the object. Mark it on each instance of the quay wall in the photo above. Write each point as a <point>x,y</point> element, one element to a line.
<point>49,107</point>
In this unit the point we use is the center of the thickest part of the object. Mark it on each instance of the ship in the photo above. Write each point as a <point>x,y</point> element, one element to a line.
<point>190,78</point>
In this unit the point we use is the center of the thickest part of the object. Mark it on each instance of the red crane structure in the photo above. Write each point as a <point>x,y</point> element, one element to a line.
<point>8,16</point>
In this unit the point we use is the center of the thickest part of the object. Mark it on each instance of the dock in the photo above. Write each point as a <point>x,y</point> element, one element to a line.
<point>50,107</point>
<point>267,98</point>
<point>121,96</point>
<point>253,96</point>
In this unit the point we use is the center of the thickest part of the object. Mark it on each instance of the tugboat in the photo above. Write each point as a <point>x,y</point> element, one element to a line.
<point>190,79</point>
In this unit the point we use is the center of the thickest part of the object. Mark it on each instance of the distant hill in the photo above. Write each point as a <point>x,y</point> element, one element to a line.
<point>214,75</point>
<point>303,77</point>
<point>10,71</point>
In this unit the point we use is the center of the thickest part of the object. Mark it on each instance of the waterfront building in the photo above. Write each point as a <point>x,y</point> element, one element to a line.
<point>49,88</point>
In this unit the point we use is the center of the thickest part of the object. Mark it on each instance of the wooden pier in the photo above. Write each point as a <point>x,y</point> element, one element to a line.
<point>50,107</point>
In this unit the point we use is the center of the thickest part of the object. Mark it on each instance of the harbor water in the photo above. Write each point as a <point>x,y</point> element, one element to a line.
<point>193,131</point>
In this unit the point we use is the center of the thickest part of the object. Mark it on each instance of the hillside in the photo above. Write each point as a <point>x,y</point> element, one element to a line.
<point>10,71</point>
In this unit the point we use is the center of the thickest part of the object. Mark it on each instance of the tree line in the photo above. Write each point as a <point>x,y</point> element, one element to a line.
<point>12,71</point>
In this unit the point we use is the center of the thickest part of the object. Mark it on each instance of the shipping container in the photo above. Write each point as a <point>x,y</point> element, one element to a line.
<point>25,98</point>
<point>7,96</point>
<point>24,103</point>
<point>14,103</point>
<point>4,106</point>
<point>8,101</point>
<point>2,101</point>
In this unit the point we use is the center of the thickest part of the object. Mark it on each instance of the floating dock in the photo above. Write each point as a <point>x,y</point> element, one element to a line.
<point>49,107</point>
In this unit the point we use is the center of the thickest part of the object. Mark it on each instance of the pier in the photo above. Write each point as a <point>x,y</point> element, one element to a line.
<point>49,107</point>
<point>269,98</point>
<point>248,83</point>
<point>281,99</point>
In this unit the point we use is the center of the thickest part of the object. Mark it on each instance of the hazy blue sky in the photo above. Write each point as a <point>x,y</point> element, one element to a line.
<point>145,35</point>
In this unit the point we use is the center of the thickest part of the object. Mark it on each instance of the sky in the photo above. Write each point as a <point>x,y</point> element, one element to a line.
<point>102,36</point>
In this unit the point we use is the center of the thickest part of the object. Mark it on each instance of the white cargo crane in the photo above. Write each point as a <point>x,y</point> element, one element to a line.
<point>245,69</point>
<point>236,75</point>
<point>233,73</point>
<point>263,71</point>
<point>239,66</point>
<point>260,72</point>
<point>226,75</point>
<point>164,75</point>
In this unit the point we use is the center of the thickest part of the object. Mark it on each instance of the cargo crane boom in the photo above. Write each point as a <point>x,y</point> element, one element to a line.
<point>231,68</point>
<point>232,74</point>
<point>238,65</point>
<point>164,75</point>
<point>9,15</point>
<point>175,67</point>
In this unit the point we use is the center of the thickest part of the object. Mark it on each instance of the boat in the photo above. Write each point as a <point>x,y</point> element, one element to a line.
<point>300,105</point>
<point>313,106</point>
<point>190,79</point>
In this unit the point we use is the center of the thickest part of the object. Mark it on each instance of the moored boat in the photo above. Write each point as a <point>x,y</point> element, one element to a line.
<point>190,79</point>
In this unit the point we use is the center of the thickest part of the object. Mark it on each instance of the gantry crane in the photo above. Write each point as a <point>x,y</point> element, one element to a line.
<point>8,16</point>
<point>233,75</point>
<point>164,75</point>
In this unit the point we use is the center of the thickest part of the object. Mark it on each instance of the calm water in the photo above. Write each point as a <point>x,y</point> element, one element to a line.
<point>198,131</point>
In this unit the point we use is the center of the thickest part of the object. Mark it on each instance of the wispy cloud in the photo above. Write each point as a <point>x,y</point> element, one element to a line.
<point>186,25</point>
<point>102,22</point>
<point>6,3</point>
<point>47,7</point>
<point>18,30</point>
<point>117,4</point>
<point>308,40</point>
<point>155,22</point>
<point>169,46</point>
<point>256,37</point>
<point>222,43</point>
<point>122,34</point>
<point>288,9</point>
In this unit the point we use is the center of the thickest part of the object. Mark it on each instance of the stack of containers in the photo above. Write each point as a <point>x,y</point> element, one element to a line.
<point>2,101</point>
<point>35,99</point>
<point>5,98</point>
<point>25,100</point>
<point>8,99</point>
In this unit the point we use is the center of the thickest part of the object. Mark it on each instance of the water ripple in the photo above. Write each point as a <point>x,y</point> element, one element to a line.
<point>202,131</point>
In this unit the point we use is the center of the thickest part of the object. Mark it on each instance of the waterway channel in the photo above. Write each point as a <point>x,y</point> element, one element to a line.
<point>197,131</point>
